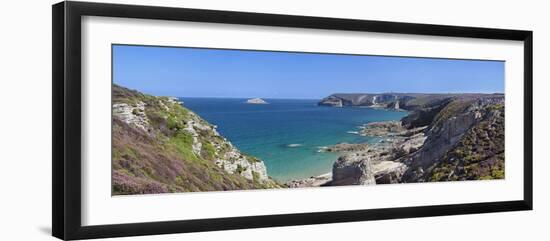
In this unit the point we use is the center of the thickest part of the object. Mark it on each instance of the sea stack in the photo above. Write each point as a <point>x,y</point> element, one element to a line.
<point>256,101</point>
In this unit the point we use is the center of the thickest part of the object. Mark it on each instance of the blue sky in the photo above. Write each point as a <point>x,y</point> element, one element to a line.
<point>192,72</point>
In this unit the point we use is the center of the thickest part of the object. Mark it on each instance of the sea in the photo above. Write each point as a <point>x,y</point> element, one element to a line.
<point>287,134</point>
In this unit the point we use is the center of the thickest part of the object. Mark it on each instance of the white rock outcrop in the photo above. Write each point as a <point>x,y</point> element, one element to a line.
<point>235,162</point>
<point>133,115</point>
<point>353,169</point>
<point>230,159</point>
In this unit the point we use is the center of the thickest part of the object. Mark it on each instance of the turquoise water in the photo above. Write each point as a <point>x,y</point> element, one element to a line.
<point>287,134</point>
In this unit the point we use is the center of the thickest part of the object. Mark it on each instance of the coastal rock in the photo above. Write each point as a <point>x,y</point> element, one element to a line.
<point>256,101</point>
<point>393,146</point>
<point>478,155</point>
<point>234,161</point>
<point>345,147</point>
<point>175,100</point>
<point>134,115</point>
<point>379,163</point>
<point>160,146</point>
<point>353,169</point>
<point>332,101</point>
<point>401,101</point>
<point>389,172</point>
<point>381,128</point>
<point>315,181</point>
<point>424,115</point>
<point>445,131</point>
<point>383,161</point>
<point>412,143</point>
<point>446,137</point>
<point>404,101</point>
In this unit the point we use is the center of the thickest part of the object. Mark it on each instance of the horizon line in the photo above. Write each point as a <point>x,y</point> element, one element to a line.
<point>347,93</point>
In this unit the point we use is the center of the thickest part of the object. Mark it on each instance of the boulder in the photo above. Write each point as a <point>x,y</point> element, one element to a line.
<point>353,169</point>
<point>389,172</point>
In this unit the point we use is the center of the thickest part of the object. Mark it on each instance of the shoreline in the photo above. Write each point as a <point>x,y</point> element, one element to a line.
<point>313,181</point>
<point>442,138</point>
<point>293,155</point>
<point>386,168</point>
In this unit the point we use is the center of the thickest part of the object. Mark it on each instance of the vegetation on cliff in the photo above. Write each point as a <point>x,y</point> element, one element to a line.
<point>479,154</point>
<point>159,146</point>
<point>446,137</point>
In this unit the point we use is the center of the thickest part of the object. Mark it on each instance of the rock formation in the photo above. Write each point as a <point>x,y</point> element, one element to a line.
<point>132,115</point>
<point>345,147</point>
<point>353,169</point>
<point>381,128</point>
<point>404,101</point>
<point>465,142</point>
<point>256,101</point>
<point>160,146</point>
<point>445,137</point>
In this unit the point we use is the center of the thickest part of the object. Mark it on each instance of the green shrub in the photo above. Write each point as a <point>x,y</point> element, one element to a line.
<point>251,159</point>
<point>173,123</point>
<point>255,176</point>
<point>240,169</point>
<point>208,150</point>
<point>497,173</point>
<point>183,142</point>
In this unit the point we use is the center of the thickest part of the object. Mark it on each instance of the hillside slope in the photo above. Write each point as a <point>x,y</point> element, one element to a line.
<point>159,146</point>
<point>465,142</point>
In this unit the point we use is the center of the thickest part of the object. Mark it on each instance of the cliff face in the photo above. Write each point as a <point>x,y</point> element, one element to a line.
<point>405,101</point>
<point>160,146</point>
<point>465,142</point>
<point>428,103</point>
<point>380,163</point>
<point>445,138</point>
<point>353,169</point>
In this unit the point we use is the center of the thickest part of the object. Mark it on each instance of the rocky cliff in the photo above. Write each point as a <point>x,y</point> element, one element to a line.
<point>353,169</point>
<point>380,163</point>
<point>160,146</point>
<point>404,101</point>
<point>383,100</point>
<point>444,138</point>
<point>465,142</point>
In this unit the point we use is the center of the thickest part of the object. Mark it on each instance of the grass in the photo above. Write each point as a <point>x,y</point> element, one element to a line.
<point>183,143</point>
<point>174,123</point>
<point>208,151</point>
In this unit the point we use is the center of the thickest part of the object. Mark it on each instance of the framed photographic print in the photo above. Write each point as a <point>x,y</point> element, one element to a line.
<point>169,120</point>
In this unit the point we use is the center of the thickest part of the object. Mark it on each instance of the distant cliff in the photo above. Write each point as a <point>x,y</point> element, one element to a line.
<point>160,146</point>
<point>405,101</point>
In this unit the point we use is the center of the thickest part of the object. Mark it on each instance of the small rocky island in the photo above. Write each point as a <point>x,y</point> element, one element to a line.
<point>256,101</point>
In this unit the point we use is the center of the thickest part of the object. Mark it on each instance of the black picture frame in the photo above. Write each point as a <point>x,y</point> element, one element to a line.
<point>66,127</point>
